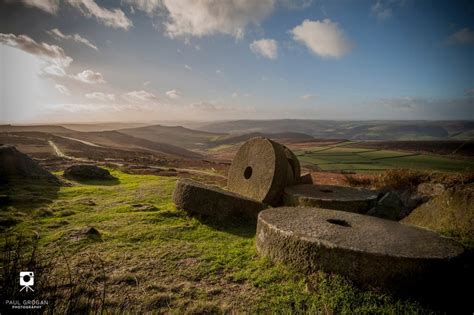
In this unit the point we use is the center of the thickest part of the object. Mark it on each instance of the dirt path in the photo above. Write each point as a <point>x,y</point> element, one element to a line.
<point>83,142</point>
<point>61,154</point>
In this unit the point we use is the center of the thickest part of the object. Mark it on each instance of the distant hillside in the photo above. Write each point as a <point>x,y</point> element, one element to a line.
<point>353,130</point>
<point>33,128</point>
<point>103,126</point>
<point>120,140</point>
<point>176,135</point>
<point>232,139</point>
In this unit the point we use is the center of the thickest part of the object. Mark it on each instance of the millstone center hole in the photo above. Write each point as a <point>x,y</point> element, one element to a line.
<point>339,222</point>
<point>248,172</point>
<point>326,190</point>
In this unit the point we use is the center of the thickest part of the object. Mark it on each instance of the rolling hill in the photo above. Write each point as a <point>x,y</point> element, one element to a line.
<point>175,135</point>
<point>352,130</point>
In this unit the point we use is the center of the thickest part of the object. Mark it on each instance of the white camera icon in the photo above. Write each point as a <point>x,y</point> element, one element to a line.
<point>27,278</point>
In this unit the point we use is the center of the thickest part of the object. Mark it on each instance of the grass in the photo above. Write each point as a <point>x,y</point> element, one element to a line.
<point>340,158</point>
<point>158,259</point>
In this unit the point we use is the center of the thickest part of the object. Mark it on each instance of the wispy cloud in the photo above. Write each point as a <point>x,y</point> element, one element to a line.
<point>381,10</point>
<point>151,7</point>
<point>90,77</point>
<point>307,97</point>
<point>75,37</point>
<point>54,56</point>
<point>462,36</point>
<point>323,38</point>
<point>115,18</point>
<point>267,48</point>
<point>49,6</point>
<point>173,94</point>
<point>100,96</point>
<point>62,89</point>
<point>140,96</point>
<point>201,18</point>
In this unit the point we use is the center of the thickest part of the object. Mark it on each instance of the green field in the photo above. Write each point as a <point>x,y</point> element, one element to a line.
<point>158,259</point>
<point>342,158</point>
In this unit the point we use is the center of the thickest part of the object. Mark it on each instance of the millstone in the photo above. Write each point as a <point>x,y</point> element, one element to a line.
<point>368,250</point>
<point>330,197</point>
<point>259,171</point>
<point>294,172</point>
<point>195,197</point>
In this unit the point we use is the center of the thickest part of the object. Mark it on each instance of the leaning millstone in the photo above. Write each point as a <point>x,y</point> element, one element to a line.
<point>294,172</point>
<point>259,171</point>
<point>372,252</point>
<point>195,197</point>
<point>330,197</point>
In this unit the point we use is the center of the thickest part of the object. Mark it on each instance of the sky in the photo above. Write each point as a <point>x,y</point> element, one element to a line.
<point>138,60</point>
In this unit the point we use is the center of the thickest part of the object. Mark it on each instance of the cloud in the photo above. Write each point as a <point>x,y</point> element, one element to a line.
<point>49,6</point>
<point>151,7</point>
<point>323,38</point>
<point>307,97</point>
<point>100,96</point>
<point>463,36</point>
<point>76,37</point>
<point>469,92</point>
<point>140,96</point>
<point>218,71</point>
<point>381,10</point>
<point>89,76</point>
<point>296,4</point>
<point>209,17</point>
<point>267,48</point>
<point>187,67</point>
<point>425,108</point>
<point>62,89</point>
<point>54,56</point>
<point>235,94</point>
<point>115,18</point>
<point>173,94</point>
<point>146,83</point>
<point>212,107</point>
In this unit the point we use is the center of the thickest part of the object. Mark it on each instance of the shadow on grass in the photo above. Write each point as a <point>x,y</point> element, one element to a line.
<point>237,226</point>
<point>447,290</point>
<point>22,197</point>
<point>112,181</point>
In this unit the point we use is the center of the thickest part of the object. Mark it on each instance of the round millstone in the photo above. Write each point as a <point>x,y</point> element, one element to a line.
<point>194,197</point>
<point>330,197</point>
<point>368,250</point>
<point>294,172</point>
<point>259,171</point>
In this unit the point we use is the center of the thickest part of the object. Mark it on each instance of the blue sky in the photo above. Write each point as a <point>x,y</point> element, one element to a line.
<point>139,60</point>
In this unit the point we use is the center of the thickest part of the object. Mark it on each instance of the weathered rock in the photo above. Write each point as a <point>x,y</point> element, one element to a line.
<point>306,178</point>
<point>17,167</point>
<point>368,250</point>
<point>90,233</point>
<point>395,205</point>
<point>259,171</point>
<point>87,172</point>
<point>195,197</point>
<point>389,207</point>
<point>451,212</point>
<point>330,197</point>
